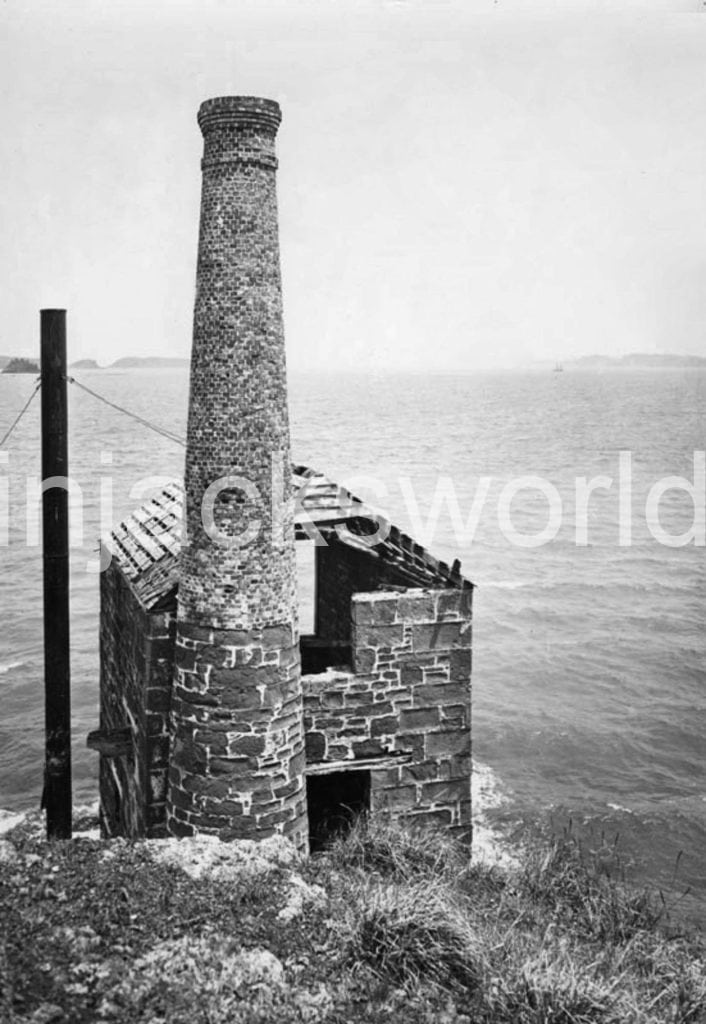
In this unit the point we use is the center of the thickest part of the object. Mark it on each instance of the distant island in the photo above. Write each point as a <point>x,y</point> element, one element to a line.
<point>85,364</point>
<point>637,360</point>
<point>20,365</point>
<point>147,362</point>
<point>132,363</point>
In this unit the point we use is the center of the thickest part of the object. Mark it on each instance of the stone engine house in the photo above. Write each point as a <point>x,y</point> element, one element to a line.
<point>216,716</point>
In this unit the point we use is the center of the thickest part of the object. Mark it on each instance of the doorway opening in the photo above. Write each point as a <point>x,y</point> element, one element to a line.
<point>335,800</point>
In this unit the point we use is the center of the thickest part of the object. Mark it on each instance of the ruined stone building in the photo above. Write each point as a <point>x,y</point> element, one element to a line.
<point>216,715</point>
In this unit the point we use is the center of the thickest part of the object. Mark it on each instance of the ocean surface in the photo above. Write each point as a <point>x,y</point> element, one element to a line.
<point>589,659</point>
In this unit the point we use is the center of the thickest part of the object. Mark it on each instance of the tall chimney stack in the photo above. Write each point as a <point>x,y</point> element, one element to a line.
<point>237,761</point>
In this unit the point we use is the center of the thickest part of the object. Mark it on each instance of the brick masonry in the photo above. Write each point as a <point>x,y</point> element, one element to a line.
<point>209,682</point>
<point>237,758</point>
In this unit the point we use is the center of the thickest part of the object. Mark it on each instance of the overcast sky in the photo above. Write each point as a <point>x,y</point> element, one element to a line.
<point>460,184</point>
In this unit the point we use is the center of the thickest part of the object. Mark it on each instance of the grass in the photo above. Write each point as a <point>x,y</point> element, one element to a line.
<point>405,929</point>
<point>411,932</point>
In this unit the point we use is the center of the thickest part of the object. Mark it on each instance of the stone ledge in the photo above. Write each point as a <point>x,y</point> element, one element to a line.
<point>356,764</point>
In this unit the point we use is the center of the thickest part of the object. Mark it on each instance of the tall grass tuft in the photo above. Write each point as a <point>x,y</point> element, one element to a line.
<point>586,889</point>
<point>398,850</point>
<point>548,990</point>
<point>411,933</point>
<point>559,939</point>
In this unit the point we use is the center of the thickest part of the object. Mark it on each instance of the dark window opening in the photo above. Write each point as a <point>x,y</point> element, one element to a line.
<point>320,655</point>
<point>324,640</point>
<point>335,801</point>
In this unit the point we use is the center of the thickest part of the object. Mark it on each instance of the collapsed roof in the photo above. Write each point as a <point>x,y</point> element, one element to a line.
<point>146,544</point>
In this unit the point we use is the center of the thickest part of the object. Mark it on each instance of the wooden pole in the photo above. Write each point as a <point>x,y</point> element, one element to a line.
<point>56,798</point>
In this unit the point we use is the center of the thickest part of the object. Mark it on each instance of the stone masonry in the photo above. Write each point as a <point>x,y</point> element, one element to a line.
<point>404,706</point>
<point>237,757</point>
<point>136,649</point>
<point>386,679</point>
<point>207,723</point>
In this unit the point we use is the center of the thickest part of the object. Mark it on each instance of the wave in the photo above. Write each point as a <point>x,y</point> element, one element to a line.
<point>487,791</point>
<point>9,820</point>
<point>616,586</point>
<point>506,584</point>
<point>8,667</point>
<point>490,843</point>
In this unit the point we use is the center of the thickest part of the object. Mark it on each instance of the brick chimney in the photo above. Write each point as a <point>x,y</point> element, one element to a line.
<point>237,760</point>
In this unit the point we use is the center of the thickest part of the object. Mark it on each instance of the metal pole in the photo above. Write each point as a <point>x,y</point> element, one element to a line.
<point>56,798</point>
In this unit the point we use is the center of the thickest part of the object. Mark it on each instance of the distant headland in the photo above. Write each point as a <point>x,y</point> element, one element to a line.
<point>132,363</point>
<point>85,364</point>
<point>147,362</point>
<point>19,365</point>
<point>636,360</point>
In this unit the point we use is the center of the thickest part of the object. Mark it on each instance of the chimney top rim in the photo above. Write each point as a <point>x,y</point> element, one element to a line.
<point>221,111</point>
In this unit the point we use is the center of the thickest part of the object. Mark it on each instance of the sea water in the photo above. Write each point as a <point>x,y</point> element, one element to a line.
<point>589,643</point>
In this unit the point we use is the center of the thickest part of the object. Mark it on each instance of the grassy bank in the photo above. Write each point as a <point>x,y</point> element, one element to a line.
<point>389,925</point>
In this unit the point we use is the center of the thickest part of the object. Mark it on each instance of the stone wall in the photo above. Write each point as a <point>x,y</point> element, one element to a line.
<point>137,656</point>
<point>342,571</point>
<point>237,768</point>
<point>407,699</point>
<point>405,706</point>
